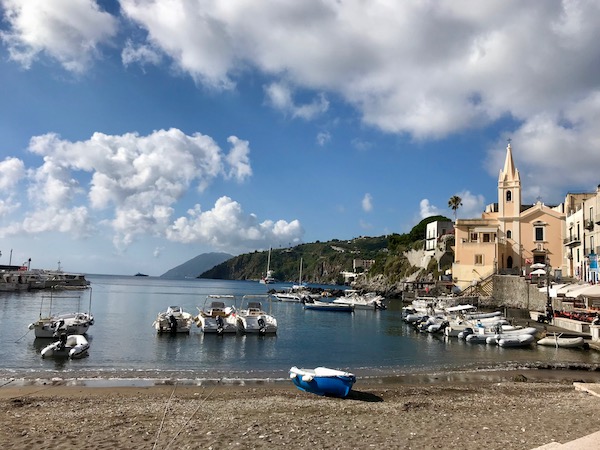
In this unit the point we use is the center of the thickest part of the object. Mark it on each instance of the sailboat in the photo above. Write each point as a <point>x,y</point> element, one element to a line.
<point>268,279</point>
<point>297,293</point>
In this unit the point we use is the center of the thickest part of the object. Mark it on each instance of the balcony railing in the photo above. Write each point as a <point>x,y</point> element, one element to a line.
<point>572,241</point>
<point>588,225</point>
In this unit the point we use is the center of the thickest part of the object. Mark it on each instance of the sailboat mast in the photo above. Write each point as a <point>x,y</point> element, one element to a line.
<point>300,280</point>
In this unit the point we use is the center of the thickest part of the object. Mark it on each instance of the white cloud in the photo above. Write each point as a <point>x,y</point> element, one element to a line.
<point>12,170</point>
<point>323,138</point>
<point>472,205</point>
<point>226,226</point>
<point>140,54</point>
<point>427,209</point>
<point>67,31</point>
<point>367,203</point>
<point>279,96</point>
<point>131,183</point>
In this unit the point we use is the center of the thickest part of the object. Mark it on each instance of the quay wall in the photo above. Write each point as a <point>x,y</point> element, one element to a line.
<point>514,291</point>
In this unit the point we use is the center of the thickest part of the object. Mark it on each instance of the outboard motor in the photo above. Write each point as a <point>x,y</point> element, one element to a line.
<point>173,322</point>
<point>262,328</point>
<point>220,327</point>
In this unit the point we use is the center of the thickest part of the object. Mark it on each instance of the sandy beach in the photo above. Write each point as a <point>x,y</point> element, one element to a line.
<point>515,410</point>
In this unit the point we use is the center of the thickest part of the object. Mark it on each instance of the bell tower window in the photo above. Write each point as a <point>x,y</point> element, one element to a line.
<point>508,196</point>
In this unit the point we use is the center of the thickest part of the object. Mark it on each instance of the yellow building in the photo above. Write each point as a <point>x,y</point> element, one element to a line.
<point>509,237</point>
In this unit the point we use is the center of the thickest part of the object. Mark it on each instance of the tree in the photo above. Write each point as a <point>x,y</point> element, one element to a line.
<point>454,203</point>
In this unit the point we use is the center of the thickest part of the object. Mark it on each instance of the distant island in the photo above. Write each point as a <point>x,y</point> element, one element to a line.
<point>195,266</point>
<point>140,274</point>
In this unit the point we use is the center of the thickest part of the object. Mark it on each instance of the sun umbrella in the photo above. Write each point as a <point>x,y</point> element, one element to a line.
<point>538,272</point>
<point>538,266</point>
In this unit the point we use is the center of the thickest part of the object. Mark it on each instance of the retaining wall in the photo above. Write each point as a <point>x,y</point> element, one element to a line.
<point>515,292</point>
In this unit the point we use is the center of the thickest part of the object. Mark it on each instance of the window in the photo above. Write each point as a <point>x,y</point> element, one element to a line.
<point>592,249</point>
<point>508,234</point>
<point>539,233</point>
<point>479,260</point>
<point>473,237</point>
<point>508,196</point>
<point>486,237</point>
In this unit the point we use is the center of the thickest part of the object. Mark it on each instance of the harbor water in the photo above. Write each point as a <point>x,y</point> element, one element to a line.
<point>125,345</point>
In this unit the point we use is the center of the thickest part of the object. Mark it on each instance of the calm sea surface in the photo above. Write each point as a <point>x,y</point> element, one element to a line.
<point>124,344</point>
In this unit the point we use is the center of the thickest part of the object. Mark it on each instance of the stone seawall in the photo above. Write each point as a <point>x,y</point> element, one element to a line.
<point>515,292</point>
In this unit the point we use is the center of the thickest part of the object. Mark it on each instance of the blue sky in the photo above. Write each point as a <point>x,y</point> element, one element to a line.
<point>135,135</point>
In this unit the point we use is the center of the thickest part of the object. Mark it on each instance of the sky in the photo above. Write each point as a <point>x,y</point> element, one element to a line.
<point>138,134</point>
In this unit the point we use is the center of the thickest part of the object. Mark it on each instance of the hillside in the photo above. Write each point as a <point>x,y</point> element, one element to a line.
<point>322,261</point>
<point>196,266</point>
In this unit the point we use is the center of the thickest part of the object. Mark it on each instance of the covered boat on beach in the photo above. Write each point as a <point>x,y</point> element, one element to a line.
<point>323,381</point>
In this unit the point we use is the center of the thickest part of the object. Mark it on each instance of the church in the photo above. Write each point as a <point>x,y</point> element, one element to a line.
<point>509,237</point>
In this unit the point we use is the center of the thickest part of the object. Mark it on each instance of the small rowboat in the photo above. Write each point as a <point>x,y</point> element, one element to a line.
<point>323,381</point>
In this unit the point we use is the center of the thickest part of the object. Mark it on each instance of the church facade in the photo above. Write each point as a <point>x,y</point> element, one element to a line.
<point>509,237</point>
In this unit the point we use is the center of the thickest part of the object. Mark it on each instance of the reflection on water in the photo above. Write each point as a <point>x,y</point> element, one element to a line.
<point>124,343</point>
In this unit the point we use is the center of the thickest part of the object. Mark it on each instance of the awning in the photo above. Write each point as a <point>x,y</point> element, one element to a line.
<point>590,291</point>
<point>574,293</point>
<point>538,272</point>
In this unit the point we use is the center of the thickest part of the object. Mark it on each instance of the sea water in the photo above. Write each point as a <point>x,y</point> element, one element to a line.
<point>124,344</point>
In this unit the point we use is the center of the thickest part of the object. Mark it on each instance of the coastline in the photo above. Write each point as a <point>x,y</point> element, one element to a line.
<point>516,409</point>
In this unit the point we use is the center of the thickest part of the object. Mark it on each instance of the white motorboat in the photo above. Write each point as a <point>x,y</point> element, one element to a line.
<point>50,324</point>
<point>251,318</point>
<point>173,320</point>
<point>73,346</point>
<point>370,300</point>
<point>216,317</point>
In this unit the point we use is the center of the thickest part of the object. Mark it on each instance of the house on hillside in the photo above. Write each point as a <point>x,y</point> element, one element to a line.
<point>509,237</point>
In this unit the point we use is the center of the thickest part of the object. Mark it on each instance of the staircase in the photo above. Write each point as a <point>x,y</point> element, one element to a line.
<point>483,288</point>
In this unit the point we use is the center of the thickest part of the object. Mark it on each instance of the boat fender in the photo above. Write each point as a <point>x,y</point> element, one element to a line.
<point>307,378</point>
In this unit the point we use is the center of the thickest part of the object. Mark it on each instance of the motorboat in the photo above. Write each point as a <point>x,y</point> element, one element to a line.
<point>317,305</point>
<point>557,340</point>
<point>73,346</point>
<point>323,381</point>
<point>70,323</point>
<point>251,318</point>
<point>216,317</point>
<point>370,300</point>
<point>49,324</point>
<point>173,320</point>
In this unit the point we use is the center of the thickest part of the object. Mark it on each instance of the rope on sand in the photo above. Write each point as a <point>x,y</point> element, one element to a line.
<point>163,418</point>
<point>193,414</point>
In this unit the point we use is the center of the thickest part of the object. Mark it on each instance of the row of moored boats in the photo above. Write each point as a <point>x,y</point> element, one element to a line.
<point>433,315</point>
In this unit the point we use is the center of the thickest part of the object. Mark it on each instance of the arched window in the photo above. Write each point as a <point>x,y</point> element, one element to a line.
<point>508,234</point>
<point>508,196</point>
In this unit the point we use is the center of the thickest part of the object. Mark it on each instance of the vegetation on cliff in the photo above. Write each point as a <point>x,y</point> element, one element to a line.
<point>323,262</point>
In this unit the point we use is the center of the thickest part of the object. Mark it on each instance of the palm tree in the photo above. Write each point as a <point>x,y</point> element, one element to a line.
<point>454,203</point>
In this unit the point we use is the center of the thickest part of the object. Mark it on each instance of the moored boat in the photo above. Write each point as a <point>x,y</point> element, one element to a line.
<point>519,340</point>
<point>323,381</point>
<point>173,320</point>
<point>559,341</point>
<point>74,346</point>
<point>328,306</point>
<point>216,317</point>
<point>73,323</point>
<point>251,318</point>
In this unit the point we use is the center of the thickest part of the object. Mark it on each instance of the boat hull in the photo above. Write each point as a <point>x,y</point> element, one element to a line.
<point>323,381</point>
<point>550,341</point>
<point>325,306</point>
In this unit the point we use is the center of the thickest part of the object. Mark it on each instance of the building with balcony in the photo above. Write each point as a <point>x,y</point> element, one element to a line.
<point>582,239</point>
<point>509,237</point>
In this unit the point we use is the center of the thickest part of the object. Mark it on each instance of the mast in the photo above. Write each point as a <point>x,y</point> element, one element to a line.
<point>300,280</point>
